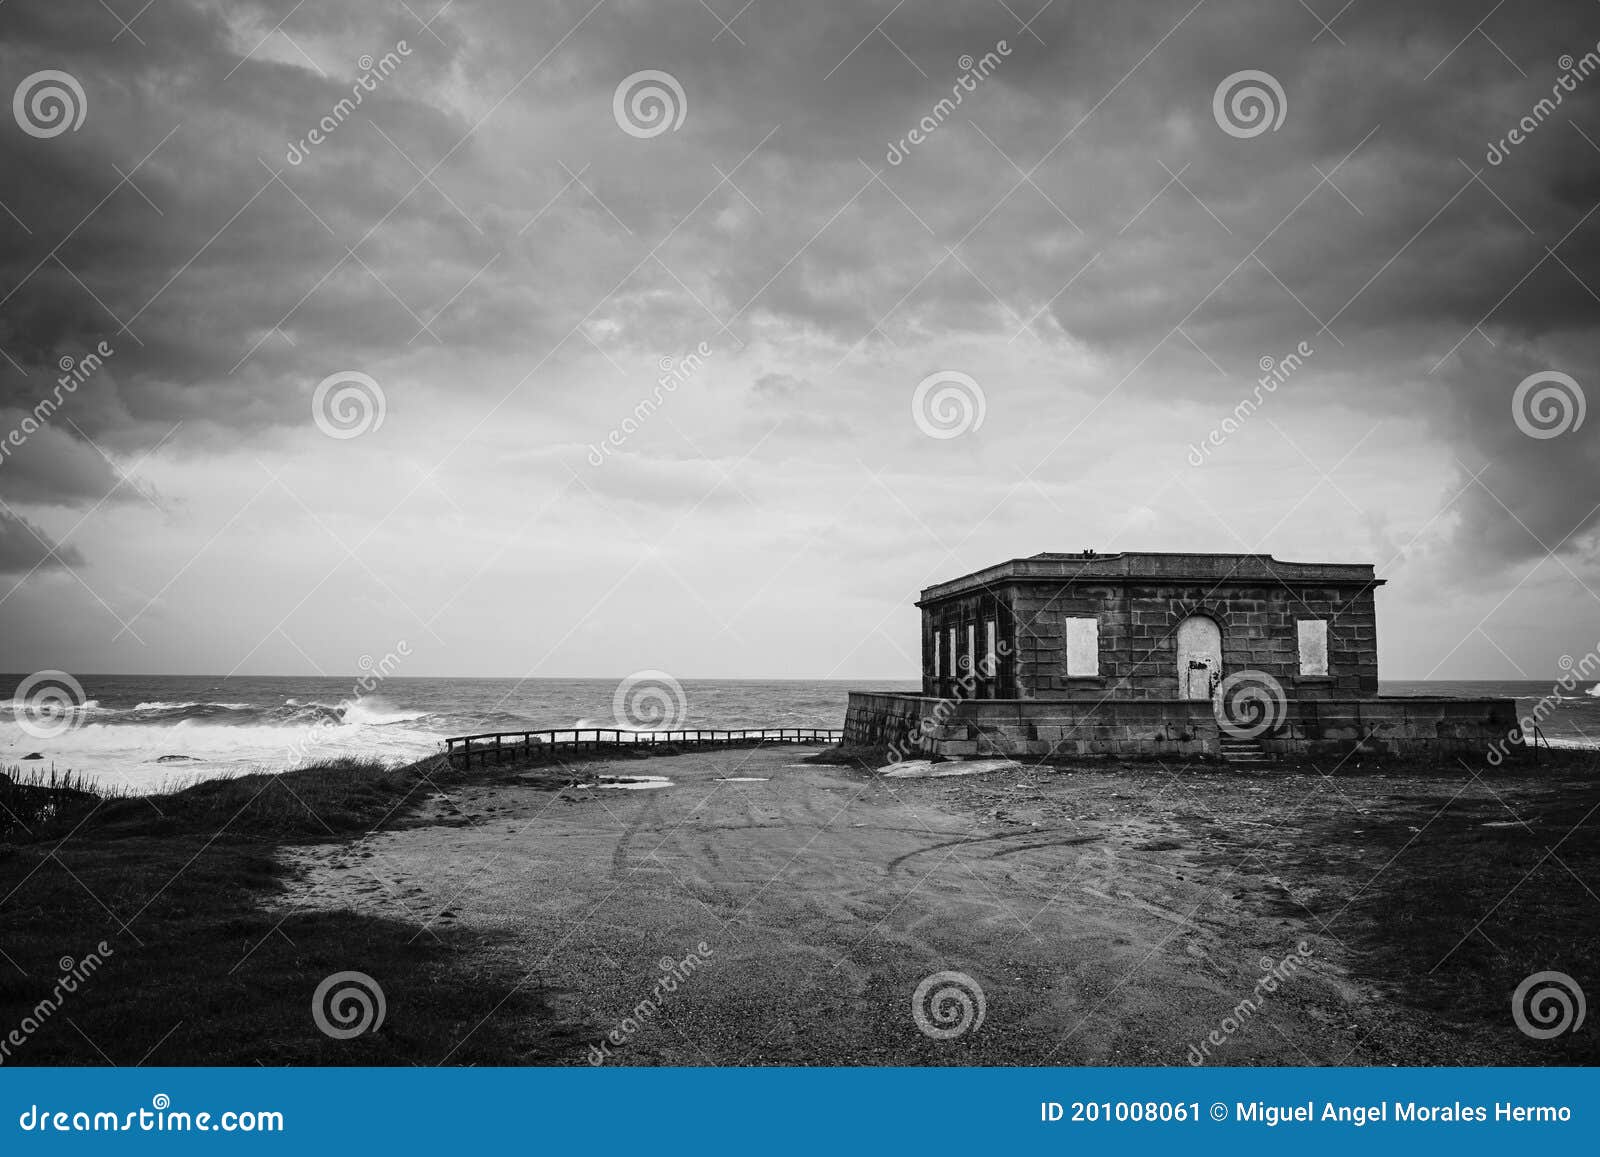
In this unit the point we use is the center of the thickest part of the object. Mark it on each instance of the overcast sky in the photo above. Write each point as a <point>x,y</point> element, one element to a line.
<point>1098,237</point>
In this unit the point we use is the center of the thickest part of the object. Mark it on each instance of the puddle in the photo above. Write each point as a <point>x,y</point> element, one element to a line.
<point>630,782</point>
<point>742,779</point>
<point>923,769</point>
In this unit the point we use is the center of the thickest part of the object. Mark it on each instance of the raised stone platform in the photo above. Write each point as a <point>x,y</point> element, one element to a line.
<point>913,725</point>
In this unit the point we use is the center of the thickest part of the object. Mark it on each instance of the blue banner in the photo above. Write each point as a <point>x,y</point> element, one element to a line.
<point>881,1111</point>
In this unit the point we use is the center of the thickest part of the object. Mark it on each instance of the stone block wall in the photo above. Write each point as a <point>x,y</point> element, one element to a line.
<point>1138,625</point>
<point>921,725</point>
<point>1397,725</point>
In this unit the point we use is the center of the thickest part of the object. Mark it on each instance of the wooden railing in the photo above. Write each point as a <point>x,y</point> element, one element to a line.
<point>499,746</point>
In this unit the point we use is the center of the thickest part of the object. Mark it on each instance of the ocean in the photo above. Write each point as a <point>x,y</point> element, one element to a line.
<point>147,732</point>
<point>144,733</point>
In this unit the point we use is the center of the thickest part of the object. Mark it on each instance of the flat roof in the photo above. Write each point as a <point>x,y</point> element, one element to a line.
<point>1135,566</point>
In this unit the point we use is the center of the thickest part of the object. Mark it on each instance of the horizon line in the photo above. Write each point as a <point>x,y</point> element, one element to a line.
<point>681,678</point>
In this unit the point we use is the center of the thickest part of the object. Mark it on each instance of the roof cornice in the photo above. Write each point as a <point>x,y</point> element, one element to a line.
<point>1147,566</point>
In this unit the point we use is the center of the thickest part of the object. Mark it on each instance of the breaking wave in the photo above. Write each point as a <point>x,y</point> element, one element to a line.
<point>145,732</point>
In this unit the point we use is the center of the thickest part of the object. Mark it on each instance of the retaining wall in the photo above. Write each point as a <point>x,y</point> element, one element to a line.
<point>914,725</point>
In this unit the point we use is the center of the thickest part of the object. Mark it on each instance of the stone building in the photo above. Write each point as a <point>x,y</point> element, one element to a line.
<point>1238,655</point>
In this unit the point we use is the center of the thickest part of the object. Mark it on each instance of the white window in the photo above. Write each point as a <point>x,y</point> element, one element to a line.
<point>972,645</point>
<point>1083,646</point>
<point>937,671</point>
<point>991,660</point>
<point>950,651</point>
<point>1313,646</point>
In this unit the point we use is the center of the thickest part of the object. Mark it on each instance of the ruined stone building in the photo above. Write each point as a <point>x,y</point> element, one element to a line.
<point>1236,655</point>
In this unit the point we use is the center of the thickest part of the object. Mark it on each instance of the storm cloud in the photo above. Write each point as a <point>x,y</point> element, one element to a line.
<point>443,198</point>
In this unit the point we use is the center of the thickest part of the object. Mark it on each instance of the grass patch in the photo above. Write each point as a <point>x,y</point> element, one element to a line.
<point>1444,897</point>
<point>200,969</point>
<point>327,799</point>
<point>33,801</point>
<point>849,755</point>
<point>1467,911</point>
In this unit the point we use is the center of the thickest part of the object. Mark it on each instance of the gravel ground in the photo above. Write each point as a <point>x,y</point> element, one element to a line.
<point>1109,915</point>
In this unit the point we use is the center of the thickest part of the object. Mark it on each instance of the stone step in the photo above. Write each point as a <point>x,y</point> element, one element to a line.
<point>1240,751</point>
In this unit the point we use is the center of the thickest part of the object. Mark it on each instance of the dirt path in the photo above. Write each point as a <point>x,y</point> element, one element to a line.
<point>1100,930</point>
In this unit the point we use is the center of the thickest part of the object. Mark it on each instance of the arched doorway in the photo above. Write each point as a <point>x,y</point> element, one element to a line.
<point>1199,657</point>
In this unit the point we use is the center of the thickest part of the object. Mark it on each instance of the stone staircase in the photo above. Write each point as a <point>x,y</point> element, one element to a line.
<point>1240,752</point>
